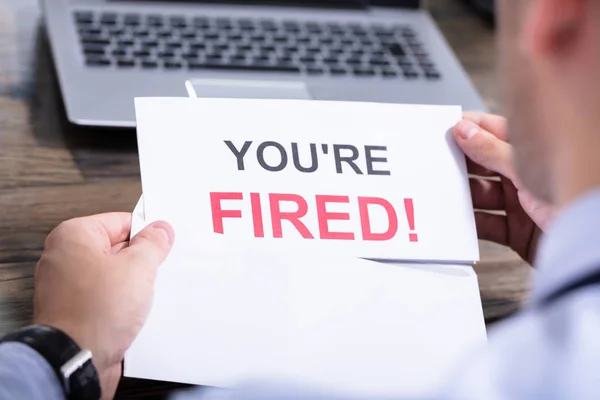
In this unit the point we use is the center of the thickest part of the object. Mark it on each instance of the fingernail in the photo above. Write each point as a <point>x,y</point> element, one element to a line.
<point>467,129</point>
<point>165,230</point>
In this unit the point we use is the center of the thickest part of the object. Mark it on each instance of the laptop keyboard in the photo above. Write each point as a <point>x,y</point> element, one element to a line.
<point>151,42</point>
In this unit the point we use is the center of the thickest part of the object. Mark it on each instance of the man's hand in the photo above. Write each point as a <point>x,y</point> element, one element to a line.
<point>97,288</point>
<point>482,138</point>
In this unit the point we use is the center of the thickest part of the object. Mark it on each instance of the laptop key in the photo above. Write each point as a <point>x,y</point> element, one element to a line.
<point>116,31</point>
<point>235,36</point>
<point>291,26</point>
<point>166,54</point>
<point>247,28</point>
<point>307,59</point>
<point>280,38</point>
<point>108,18</point>
<point>238,58</point>
<point>173,44</point>
<point>83,16</point>
<point>326,40</point>
<point>410,72</point>
<point>197,45</point>
<point>189,55</point>
<point>315,71</point>
<point>149,64</point>
<point>366,42</point>
<point>172,65</point>
<point>313,27</point>
<point>331,60</point>
<point>354,61</point>
<point>303,39</point>
<point>267,48</point>
<point>149,43</point>
<point>244,47</point>
<point>97,61</point>
<point>211,35</point>
<point>177,21</point>
<point>260,59</point>
<point>284,60</point>
<point>267,23</point>
<point>94,49</point>
<point>141,33</point>
<point>155,21</point>
<point>358,30</point>
<point>408,32</point>
<point>188,34</point>
<point>221,46</point>
<point>386,35</point>
<point>120,52</point>
<point>249,67</point>
<point>336,50</point>
<point>396,49</point>
<point>379,61</point>
<point>419,51</point>
<point>257,37</point>
<point>337,71</point>
<point>201,22</point>
<point>132,20</point>
<point>126,42</point>
<point>142,53</point>
<point>164,33</point>
<point>214,56</point>
<point>403,61</point>
<point>363,72</point>
<point>389,73</point>
<point>97,40</point>
<point>335,28</point>
<point>90,31</point>
<point>432,73</point>
<point>125,62</point>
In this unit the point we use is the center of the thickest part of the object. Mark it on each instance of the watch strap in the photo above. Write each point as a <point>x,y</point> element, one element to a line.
<point>73,366</point>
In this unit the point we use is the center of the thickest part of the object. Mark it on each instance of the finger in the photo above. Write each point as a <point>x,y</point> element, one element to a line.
<point>492,227</point>
<point>486,194</point>
<point>118,247</point>
<point>150,247</point>
<point>541,213</point>
<point>478,170</point>
<point>116,226</point>
<point>484,149</point>
<point>495,124</point>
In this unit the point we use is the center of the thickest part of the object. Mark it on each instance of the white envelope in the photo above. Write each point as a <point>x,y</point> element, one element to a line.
<point>341,324</point>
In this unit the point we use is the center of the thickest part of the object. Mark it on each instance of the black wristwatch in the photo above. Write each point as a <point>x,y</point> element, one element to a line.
<point>73,366</point>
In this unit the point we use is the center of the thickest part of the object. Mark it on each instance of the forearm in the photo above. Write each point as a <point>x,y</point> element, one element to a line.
<point>24,374</point>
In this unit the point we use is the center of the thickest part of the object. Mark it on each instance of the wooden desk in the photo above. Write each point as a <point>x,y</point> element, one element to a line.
<point>51,171</point>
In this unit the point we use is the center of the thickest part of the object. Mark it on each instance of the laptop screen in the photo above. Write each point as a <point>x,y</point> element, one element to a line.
<point>317,3</point>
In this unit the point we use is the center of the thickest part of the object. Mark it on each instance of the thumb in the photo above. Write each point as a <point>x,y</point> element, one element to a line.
<point>484,148</point>
<point>152,245</point>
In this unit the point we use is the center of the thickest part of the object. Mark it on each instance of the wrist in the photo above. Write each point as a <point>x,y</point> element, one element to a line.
<point>72,365</point>
<point>83,337</point>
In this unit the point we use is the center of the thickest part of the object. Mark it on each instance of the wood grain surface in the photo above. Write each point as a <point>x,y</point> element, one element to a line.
<point>51,171</point>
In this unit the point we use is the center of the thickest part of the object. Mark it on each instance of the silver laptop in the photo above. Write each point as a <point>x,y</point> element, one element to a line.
<point>109,51</point>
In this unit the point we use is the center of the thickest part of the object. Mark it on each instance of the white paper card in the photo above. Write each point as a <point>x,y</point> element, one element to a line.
<point>369,180</point>
<point>343,325</point>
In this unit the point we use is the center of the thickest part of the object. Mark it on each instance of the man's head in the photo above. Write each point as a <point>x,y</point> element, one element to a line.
<point>550,56</point>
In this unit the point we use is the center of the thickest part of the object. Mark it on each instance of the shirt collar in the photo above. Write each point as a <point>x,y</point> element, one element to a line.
<point>570,248</point>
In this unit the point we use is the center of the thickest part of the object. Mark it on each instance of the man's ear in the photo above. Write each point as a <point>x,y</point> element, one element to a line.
<point>551,27</point>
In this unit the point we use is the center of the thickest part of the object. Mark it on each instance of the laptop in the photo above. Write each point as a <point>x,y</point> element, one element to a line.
<point>107,52</point>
